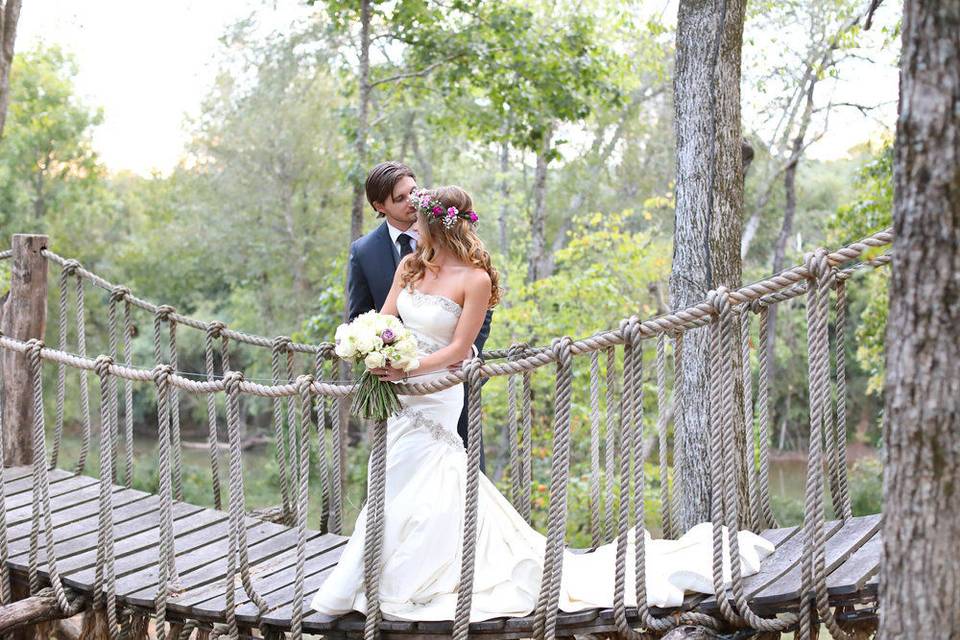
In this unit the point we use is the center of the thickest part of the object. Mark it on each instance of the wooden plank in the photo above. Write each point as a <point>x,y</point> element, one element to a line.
<point>850,537</point>
<point>139,555</point>
<point>18,507</point>
<point>190,557</point>
<point>861,567</point>
<point>19,534</point>
<point>784,558</point>
<point>78,571</point>
<point>277,590</point>
<point>19,479</point>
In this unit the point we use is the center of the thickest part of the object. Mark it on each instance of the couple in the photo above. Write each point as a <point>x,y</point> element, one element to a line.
<point>442,288</point>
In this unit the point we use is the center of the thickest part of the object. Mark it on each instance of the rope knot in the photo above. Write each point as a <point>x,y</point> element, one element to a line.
<point>102,365</point>
<point>282,343</point>
<point>472,370</point>
<point>215,328</point>
<point>757,305</point>
<point>34,347</point>
<point>517,350</point>
<point>630,330</point>
<point>119,293</point>
<point>562,349</point>
<point>161,374</point>
<point>719,299</point>
<point>818,265</point>
<point>326,350</point>
<point>164,312</point>
<point>231,382</point>
<point>70,266</point>
<point>304,384</point>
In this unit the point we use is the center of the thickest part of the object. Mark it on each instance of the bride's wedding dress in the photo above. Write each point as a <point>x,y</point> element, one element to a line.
<point>425,486</point>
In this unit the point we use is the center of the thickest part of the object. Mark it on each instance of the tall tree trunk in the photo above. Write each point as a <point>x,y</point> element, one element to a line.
<point>789,213</point>
<point>538,217</point>
<point>9,16</point>
<point>920,574</point>
<point>363,109</point>
<point>504,197</point>
<point>708,196</point>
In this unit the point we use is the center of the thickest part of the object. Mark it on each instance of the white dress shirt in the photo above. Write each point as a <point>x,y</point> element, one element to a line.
<point>395,233</point>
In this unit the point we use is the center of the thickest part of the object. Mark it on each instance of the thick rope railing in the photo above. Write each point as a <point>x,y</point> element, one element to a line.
<point>763,418</point>
<point>750,436</point>
<point>5,589</point>
<point>278,350</point>
<point>326,473</point>
<point>596,535</point>
<point>163,314</point>
<point>168,578</point>
<point>213,440</point>
<point>610,442</point>
<point>846,509</point>
<point>373,529</point>
<point>303,467</point>
<point>662,455</point>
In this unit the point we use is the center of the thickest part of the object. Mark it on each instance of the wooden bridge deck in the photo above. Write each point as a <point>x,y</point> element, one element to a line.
<point>852,556</point>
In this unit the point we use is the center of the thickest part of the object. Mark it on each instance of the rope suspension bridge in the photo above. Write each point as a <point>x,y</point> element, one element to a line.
<point>97,545</point>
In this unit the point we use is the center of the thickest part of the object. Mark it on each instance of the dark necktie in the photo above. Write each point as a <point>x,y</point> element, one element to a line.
<point>405,246</point>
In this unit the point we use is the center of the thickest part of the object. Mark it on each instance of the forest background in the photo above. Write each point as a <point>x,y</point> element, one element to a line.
<point>556,116</point>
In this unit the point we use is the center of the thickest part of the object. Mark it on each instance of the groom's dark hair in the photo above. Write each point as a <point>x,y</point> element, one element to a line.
<point>383,178</point>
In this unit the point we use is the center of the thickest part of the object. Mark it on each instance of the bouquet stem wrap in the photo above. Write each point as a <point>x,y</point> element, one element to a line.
<point>374,399</point>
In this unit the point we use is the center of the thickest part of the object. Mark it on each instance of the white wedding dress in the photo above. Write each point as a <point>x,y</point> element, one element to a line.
<point>425,486</point>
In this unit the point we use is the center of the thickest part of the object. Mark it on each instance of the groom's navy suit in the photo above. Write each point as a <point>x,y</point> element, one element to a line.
<point>370,270</point>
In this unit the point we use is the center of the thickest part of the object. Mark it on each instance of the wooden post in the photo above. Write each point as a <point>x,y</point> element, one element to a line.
<point>24,317</point>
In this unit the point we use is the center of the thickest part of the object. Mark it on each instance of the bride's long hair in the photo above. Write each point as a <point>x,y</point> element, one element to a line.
<point>460,239</point>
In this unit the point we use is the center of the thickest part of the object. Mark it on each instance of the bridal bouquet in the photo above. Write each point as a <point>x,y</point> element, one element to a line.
<point>377,340</point>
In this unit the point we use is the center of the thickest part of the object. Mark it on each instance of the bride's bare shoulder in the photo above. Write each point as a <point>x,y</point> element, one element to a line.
<point>477,279</point>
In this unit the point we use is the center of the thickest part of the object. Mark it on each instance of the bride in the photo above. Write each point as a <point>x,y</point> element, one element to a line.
<point>441,292</point>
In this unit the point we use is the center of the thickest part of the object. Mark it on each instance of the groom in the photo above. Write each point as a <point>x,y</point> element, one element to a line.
<point>375,256</point>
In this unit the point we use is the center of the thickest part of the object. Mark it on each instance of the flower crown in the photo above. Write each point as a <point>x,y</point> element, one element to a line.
<point>430,206</point>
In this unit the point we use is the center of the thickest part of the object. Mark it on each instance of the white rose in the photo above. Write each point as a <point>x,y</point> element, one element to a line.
<point>374,360</point>
<point>411,365</point>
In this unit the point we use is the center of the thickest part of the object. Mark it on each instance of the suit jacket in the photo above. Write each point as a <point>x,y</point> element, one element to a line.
<point>370,269</point>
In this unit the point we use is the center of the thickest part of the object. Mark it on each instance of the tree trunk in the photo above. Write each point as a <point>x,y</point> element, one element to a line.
<point>538,218</point>
<point>504,197</point>
<point>9,16</point>
<point>24,317</point>
<point>708,197</point>
<point>920,575</point>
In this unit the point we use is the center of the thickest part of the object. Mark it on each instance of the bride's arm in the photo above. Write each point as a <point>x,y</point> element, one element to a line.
<point>390,304</point>
<point>476,299</point>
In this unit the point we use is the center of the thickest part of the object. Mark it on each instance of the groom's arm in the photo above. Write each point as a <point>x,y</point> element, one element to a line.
<point>359,297</point>
<point>484,332</point>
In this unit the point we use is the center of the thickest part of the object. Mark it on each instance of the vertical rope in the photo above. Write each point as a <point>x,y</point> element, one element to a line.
<point>84,383</point>
<point>61,368</point>
<point>526,440</point>
<point>336,477</point>
<point>662,454</point>
<point>373,534</point>
<point>214,331</point>
<point>292,432</point>
<point>41,489</point>
<point>304,384</point>
<point>105,587</point>
<point>818,345</point>
<point>461,623</point>
<point>283,459</point>
<point>127,389</point>
<point>545,615</point>
<point>610,443</point>
<point>163,314</point>
<point>5,592</point>
<point>596,535</point>
<point>846,510</point>
<point>322,419</point>
<point>750,438</point>
<point>237,526</point>
<point>678,422</point>
<point>518,484</point>
<point>627,434</point>
<point>167,566</point>
<point>763,410</point>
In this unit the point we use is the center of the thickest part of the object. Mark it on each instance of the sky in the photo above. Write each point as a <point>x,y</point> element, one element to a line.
<point>148,65</point>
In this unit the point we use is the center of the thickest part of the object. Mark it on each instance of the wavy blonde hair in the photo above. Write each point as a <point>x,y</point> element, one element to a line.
<point>460,239</point>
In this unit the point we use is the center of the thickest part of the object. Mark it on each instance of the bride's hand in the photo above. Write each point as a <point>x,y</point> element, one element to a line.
<point>388,374</point>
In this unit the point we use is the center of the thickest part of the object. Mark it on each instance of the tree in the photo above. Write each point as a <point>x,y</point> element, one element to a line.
<point>920,575</point>
<point>709,202</point>
<point>9,16</point>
